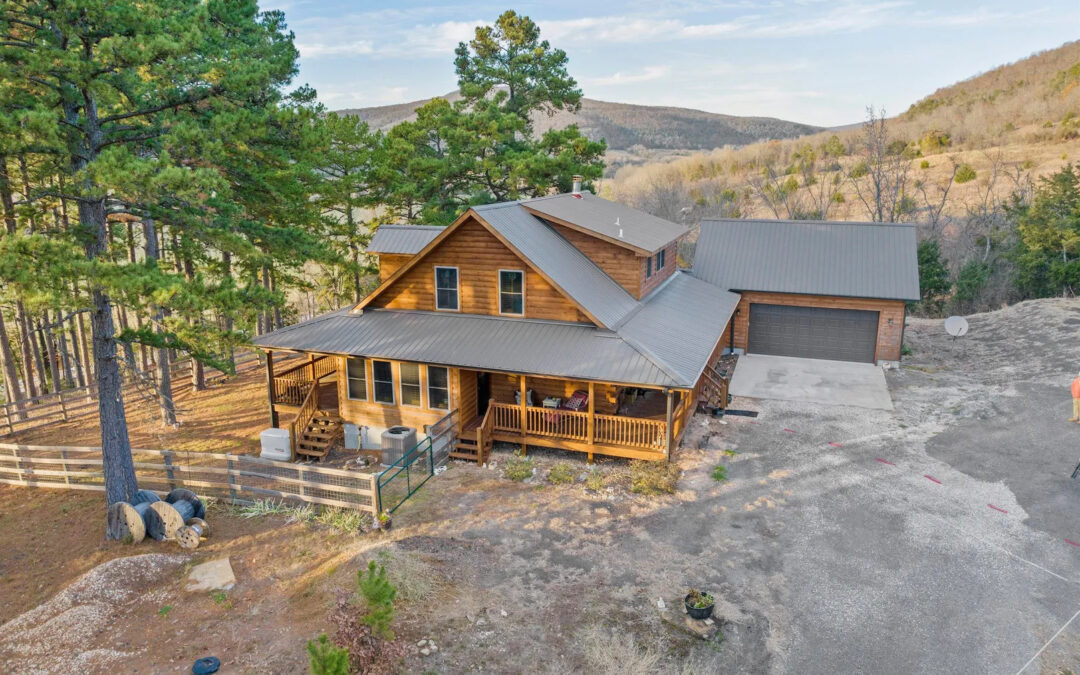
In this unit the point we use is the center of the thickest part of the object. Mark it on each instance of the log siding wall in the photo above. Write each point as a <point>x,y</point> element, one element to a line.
<point>888,336</point>
<point>479,256</point>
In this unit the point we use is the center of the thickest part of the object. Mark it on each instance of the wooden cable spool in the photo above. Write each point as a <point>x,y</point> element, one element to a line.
<point>190,535</point>
<point>164,519</point>
<point>127,522</point>
<point>183,494</point>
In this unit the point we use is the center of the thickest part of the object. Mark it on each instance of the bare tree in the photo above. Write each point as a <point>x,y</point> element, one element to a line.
<point>880,180</point>
<point>934,196</point>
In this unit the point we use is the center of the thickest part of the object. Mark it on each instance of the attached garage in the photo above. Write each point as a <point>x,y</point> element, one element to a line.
<point>813,332</point>
<point>821,290</point>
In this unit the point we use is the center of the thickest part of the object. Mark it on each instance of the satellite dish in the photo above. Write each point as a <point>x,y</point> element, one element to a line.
<point>956,326</point>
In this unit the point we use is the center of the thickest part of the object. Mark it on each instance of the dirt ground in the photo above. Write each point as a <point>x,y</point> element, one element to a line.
<point>950,556</point>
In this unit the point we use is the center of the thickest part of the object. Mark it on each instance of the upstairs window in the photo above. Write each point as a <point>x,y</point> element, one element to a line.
<point>438,388</point>
<point>382,377</point>
<point>446,289</point>
<point>357,376</point>
<point>511,292</point>
<point>410,384</point>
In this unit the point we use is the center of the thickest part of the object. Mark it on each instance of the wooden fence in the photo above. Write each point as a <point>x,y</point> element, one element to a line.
<point>31,413</point>
<point>236,478</point>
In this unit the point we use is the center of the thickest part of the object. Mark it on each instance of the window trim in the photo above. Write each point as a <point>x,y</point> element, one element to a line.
<point>457,287</point>
<point>427,382</point>
<point>648,267</point>
<point>419,384</point>
<point>499,291</point>
<point>393,389</point>
<point>348,379</point>
<point>661,259</point>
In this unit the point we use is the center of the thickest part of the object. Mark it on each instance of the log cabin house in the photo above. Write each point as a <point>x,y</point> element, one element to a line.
<point>564,321</point>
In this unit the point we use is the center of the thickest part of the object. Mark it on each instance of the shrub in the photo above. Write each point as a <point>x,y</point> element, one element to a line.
<point>595,481</point>
<point>859,170</point>
<point>518,467</point>
<point>327,659</point>
<point>934,141</point>
<point>366,639</point>
<point>965,174</point>
<point>561,473</point>
<point>719,473</point>
<point>925,164</point>
<point>653,478</point>
<point>379,594</point>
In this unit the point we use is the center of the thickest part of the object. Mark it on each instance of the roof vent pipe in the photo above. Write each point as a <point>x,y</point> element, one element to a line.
<point>577,186</point>
<point>620,228</point>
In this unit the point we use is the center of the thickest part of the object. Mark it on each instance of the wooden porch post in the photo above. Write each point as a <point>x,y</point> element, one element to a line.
<point>270,387</point>
<point>524,415</point>
<point>668,429</point>
<point>592,420</point>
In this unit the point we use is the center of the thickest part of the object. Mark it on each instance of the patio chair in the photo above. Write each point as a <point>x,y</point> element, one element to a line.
<point>578,401</point>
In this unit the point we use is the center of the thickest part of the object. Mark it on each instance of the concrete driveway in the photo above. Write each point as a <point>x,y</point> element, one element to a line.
<point>785,378</point>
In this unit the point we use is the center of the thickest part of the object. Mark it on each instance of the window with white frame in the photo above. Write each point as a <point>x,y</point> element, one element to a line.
<point>410,384</point>
<point>438,388</point>
<point>382,380</point>
<point>356,371</point>
<point>446,288</point>
<point>511,292</point>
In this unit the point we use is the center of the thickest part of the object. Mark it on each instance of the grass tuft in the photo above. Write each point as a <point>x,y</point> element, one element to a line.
<point>653,478</point>
<point>719,473</point>
<point>518,467</point>
<point>561,474</point>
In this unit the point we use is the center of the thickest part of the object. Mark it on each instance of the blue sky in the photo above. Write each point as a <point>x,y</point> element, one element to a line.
<point>814,61</point>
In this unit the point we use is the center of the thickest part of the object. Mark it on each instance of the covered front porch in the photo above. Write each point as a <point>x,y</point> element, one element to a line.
<point>618,420</point>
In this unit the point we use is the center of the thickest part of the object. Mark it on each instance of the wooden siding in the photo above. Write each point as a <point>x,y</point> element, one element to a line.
<point>888,337</point>
<point>671,262</point>
<point>621,264</point>
<point>390,263</point>
<point>370,413</point>
<point>467,408</point>
<point>479,256</point>
<point>504,386</point>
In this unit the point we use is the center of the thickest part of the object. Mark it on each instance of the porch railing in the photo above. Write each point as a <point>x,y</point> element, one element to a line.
<point>630,432</point>
<point>308,407</point>
<point>291,387</point>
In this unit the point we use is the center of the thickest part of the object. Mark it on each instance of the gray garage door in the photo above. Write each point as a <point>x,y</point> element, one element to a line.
<point>813,332</point>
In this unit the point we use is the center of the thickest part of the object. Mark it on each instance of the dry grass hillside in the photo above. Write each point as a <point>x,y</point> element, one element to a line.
<point>1007,127</point>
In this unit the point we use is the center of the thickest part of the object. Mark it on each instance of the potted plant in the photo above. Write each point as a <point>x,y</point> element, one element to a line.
<point>382,521</point>
<point>699,604</point>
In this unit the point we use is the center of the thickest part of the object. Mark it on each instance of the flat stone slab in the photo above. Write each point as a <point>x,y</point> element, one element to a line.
<point>811,380</point>
<point>706,630</point>
<point>211,576</point>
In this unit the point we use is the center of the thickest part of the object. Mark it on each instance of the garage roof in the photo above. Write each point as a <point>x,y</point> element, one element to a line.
<point>402,239</point>
<point>860,260</point>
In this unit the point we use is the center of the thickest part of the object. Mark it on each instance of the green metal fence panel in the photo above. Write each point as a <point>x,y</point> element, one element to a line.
<point>403,478</point>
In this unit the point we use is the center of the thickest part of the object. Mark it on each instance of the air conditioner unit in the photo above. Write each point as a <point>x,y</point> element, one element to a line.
<point>396,441</point>
<point>275,445</point>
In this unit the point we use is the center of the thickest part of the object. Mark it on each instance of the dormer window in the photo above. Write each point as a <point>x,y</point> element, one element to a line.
<point>511,292</point>
<point>446,289</point>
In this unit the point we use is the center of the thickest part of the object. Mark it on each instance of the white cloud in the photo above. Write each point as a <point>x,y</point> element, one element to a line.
<point>337,98</point>
<point>647,74</point>
<point>320,49</point>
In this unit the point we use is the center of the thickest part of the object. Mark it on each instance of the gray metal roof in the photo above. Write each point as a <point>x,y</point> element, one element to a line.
<point>680,323</point>
<point>571,350</point>
<point>587,211</point>
<point>862,260</point>
<point>403,239</point>
<point>561,261</point>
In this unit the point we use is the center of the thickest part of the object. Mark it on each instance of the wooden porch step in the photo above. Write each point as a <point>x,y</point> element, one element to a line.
<point>312,453</point>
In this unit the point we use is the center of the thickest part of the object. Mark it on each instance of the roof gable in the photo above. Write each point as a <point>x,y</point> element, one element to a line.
<point>617,223</point>
<point>862,260</point>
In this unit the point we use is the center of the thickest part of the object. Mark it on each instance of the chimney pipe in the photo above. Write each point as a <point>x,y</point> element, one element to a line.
<point>577,185</point>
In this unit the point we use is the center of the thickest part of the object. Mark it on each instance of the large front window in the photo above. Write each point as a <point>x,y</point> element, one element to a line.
<point>382,377</point>
<point>410,384</point>
<point>446,288</point>
<point>511,292</point>
<point>357,375</point>
<point>438,388</point>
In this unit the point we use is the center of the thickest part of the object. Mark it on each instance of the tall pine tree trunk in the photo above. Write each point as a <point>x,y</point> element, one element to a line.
<point>226,260</point>
<point>119,468</point>
<point>198,372</point>
<point>76,356</point>
<point>42,349</point>
<point>65,357</point>
<point>7,203</point>
<point>11,378</point>
<point>25,351</point>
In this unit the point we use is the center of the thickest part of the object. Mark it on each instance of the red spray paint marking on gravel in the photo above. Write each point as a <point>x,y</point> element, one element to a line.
<point>997,508</point>
<point>885,461</point>
<point>926,475</point>
<point>836,445</point>
<point>790,431</point>
<point>1070,541</point>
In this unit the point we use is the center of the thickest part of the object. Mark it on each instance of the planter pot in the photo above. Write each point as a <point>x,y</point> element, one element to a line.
<point>701,613</point>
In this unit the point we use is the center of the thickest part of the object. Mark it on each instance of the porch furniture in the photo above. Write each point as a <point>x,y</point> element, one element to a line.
<point>575,403</point>
<point>551,402</point>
